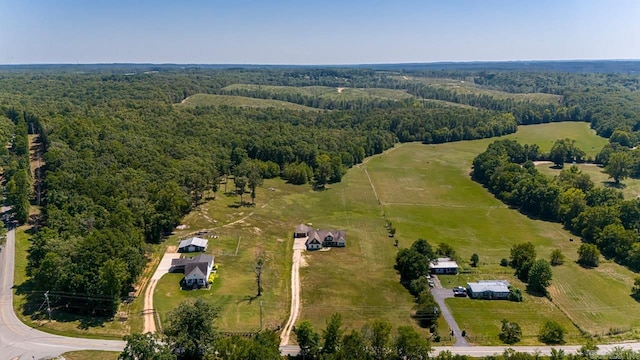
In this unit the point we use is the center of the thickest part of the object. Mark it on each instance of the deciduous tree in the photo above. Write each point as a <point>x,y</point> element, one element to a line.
<point>510,332</point>
<point>540,276</point>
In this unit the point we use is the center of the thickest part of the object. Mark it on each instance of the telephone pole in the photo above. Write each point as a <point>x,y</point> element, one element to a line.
<point>46,296</point>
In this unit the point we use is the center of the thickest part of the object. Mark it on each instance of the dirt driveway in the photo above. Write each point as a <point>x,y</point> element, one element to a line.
<point>298,248</point>
<point>149,312</point>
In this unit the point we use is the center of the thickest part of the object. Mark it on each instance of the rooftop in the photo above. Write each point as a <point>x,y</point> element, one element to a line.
<point>193,241</point>
<point>489,285</point>
<point>442,263</point>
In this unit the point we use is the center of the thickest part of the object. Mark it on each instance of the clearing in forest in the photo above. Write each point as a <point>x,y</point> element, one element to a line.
<point>240,101</point>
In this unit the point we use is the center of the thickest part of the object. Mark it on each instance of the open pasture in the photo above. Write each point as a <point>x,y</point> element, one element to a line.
<point>240,101</point>
<point>629,187</point>
<point>427,193</point>
<point>467,87</point>
<point>325,92</point>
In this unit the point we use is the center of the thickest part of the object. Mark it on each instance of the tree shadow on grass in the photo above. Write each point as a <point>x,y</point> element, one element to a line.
<point>535,293</point>
<point>248,298</point>
<point>613,184</point>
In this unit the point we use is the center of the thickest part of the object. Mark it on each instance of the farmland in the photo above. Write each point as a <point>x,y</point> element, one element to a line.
<point>426,191</point>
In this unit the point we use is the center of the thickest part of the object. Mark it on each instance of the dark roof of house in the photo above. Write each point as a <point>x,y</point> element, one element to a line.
<point>201,261</point>
<point>320,235</point>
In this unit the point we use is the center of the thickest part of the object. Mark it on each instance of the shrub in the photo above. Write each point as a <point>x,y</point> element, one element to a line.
<point>515,294</point>
<point>510,333</point>
<point>557,258</point>
<point>588,255</point>
<point>504,262</point>
<point>551,333</point>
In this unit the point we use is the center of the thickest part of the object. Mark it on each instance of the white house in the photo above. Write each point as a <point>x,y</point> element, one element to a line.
<point>488,289</point>
<point>192,245</point>
<point>443,266</point>
<point>196,270</point>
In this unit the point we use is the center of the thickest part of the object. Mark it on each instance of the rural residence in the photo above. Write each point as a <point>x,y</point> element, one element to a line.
<point>317,239</point>
<point>197,270</point>
<point>193,244</point>
<point>443,266</point>
<point>488,289</point>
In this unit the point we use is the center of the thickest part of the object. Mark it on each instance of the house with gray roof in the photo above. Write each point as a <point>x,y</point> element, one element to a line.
<point>196,269</point>
<point>443,266</point>
<point>317,239</point>
<point>193,244</point>
<point>488,289</point>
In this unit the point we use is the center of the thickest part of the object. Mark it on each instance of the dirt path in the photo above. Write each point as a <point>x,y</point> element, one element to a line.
<point>148,311</point>
<point>298,248</point>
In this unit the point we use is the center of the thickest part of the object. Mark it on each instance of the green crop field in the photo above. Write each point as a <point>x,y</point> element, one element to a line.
<point>426,191</point>
<point>239,101</point>
<point>329,93</point>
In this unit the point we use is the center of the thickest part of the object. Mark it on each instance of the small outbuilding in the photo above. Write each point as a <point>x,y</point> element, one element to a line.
<point>488,289</point>
<point>443,266</point>
<point>193,244</point>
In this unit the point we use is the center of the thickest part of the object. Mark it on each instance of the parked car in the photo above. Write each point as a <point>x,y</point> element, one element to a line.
<point>459,291</point>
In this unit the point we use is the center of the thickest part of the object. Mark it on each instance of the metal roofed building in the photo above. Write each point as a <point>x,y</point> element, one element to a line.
<point>488,289</point>
<point>443,266</point>
<point>193,244</point>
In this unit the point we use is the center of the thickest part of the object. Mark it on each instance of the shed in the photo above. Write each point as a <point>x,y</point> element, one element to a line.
<point>193,244</point>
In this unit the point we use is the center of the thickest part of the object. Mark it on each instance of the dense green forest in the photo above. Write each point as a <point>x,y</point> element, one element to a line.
<point>124,162</point>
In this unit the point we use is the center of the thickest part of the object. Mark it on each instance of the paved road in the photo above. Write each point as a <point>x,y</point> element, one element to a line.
<point>439,295</point>
<point>19,341</point>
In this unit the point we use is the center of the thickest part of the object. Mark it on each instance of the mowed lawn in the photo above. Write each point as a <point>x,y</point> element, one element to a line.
<point>427,193</point>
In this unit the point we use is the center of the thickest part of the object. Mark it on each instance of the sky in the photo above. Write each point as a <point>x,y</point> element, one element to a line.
<point>315,32</point>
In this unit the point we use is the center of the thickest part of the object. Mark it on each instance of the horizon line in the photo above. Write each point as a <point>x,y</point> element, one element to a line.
<point>319,65</point>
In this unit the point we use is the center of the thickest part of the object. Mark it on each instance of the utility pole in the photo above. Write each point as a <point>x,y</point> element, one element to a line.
<point>46,296</point>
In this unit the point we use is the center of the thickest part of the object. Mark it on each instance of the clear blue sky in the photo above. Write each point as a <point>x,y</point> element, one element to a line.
<point>315,32</point>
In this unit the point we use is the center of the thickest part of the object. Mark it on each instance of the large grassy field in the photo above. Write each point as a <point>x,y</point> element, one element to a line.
<point>466,87</point>
<point>328,93</point>
<point>427,193</point>
<point>239,101</point>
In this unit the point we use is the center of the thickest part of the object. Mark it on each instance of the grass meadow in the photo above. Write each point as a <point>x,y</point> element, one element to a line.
<point>466,87</point>
<point>328,93</point>
<point>629,187</point>
<point>240,101</point>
